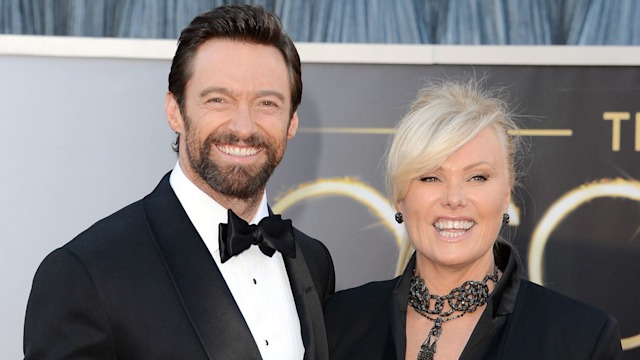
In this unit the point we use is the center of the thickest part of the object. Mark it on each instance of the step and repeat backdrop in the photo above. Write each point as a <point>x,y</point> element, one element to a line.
<point>86,136</point>
<point>575,217</point>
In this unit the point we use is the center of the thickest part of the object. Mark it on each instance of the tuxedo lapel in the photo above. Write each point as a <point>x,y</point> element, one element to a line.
<point>309,307</point>
<point>205,296</point>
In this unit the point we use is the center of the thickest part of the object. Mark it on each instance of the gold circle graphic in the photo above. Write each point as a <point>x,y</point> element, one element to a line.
<point>350,188</point>
<point>616,188</point>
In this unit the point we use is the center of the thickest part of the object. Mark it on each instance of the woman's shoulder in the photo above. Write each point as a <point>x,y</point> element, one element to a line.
<point>549,301</point>
<point>567,327</point>
<point>360,305</point>
<point>569,316</point>
<point>367,296</point>
<point>358,322</point>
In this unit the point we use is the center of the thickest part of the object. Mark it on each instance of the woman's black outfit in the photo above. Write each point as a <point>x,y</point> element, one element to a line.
<point>522,320</point>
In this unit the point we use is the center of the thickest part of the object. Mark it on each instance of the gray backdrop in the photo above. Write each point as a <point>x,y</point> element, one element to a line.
<point>85,137</point>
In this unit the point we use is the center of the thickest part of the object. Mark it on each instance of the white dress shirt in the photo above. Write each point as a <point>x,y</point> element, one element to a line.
<point>259,284</point>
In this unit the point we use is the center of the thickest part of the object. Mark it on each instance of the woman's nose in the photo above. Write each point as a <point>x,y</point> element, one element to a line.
<point>454,195</point>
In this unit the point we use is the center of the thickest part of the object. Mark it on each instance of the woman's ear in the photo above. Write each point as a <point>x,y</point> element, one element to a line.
<point>507,202</point>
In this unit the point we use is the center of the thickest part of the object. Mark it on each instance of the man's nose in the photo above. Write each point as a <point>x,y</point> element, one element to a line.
<point>242,124</point>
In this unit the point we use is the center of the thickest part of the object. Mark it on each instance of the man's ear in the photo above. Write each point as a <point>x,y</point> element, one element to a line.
<point>293,125</point>
<point>172,110</point>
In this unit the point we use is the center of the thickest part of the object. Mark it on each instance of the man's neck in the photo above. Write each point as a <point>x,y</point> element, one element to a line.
<point>245,208</point>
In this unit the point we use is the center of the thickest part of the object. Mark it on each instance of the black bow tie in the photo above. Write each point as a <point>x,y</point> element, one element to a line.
<point>270,234</point>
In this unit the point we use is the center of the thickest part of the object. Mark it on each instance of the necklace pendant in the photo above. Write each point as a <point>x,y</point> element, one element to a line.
<point>428,347</point>
<point>426,352</point>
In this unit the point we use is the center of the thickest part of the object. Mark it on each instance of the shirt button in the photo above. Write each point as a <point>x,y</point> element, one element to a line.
<point>266,342</point>
<point>254,281</point>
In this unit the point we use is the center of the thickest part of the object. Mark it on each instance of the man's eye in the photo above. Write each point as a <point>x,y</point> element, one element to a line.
<point>216,100</point>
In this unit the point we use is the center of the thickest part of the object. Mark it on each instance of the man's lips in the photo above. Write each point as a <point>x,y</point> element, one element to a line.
<point>241,151</point>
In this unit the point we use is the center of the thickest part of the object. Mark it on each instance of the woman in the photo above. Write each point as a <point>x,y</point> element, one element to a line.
<point>450,174</point>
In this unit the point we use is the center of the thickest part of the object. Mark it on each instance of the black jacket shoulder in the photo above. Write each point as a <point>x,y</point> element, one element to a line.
<point>361,315</point>
<point>552,324</point>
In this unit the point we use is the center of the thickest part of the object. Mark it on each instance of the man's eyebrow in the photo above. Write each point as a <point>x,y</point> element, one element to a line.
<point>275,93</point>
<point>215,89</point>
<point>228,92</point>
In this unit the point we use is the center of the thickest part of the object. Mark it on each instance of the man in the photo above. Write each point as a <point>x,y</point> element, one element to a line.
<point>160,279</point>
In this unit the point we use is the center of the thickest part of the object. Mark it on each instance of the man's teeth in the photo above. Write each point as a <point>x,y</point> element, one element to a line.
<point>452,228</point>
<point>238,151</point>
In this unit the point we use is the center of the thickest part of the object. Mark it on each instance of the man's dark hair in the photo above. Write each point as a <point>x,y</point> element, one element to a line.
<point>246,23</point>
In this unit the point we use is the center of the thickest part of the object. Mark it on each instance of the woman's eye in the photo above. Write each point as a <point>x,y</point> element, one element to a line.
<point>429,179</point>
<point>479,178</point>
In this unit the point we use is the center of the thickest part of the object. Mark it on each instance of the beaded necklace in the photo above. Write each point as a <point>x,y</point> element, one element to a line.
<point>463,299</point>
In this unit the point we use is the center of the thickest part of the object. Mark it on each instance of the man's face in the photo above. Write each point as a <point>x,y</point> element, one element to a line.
<point>236,123</point>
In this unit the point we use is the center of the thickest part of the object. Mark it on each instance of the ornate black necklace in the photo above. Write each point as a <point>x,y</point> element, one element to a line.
<point>463,299</point>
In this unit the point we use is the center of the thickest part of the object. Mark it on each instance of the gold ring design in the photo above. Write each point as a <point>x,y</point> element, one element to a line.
<point>561,208</point>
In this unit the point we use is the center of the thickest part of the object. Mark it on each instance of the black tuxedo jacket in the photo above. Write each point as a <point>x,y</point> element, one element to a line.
<point>522,321</point>
<point>141,284</point>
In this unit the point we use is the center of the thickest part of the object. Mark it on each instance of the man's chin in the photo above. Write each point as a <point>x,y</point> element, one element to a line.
<point>239,192</point>
<point>239,184</point>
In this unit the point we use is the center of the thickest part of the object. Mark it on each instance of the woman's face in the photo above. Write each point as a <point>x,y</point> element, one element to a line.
<point>453,215</point>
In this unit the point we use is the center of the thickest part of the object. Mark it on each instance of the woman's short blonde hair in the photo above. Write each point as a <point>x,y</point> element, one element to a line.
<point>445,116</point>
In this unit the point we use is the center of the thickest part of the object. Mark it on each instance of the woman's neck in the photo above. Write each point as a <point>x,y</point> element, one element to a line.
<point>440,279</point>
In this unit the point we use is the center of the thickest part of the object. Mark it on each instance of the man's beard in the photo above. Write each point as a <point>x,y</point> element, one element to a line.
<point>237,180</point>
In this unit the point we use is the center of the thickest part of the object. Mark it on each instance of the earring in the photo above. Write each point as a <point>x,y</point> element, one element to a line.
<point>505,219</point>
<point>399,218</point>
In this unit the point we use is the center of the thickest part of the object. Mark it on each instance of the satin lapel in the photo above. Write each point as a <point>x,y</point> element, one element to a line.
<point>398,321</point>
<point>204,293</point>
<point>309,307</point>
<point>399,308</point>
